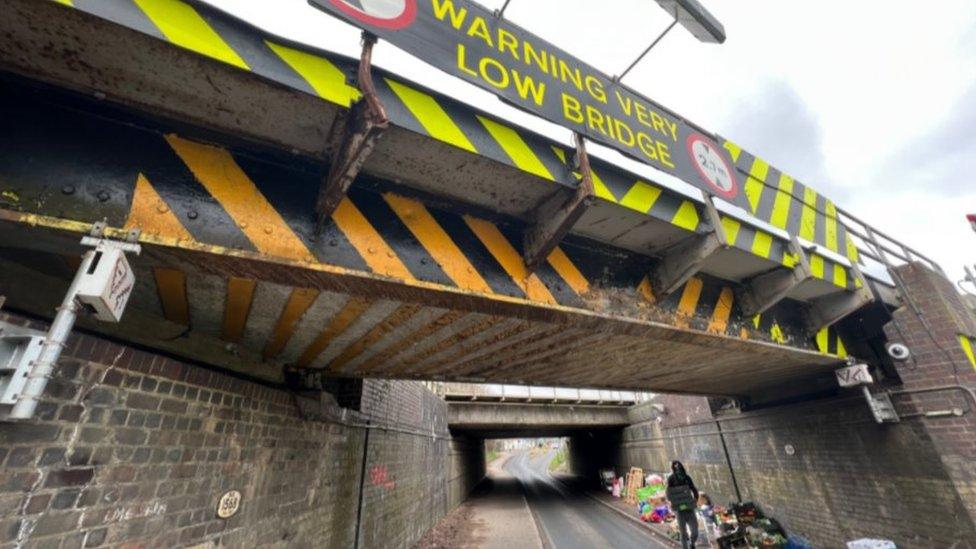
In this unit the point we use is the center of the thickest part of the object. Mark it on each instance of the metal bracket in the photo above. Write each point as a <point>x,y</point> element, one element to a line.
<point>763,291</point>
<point>556,215</point>
<point>685,259</point>
<point>828,310</point>
<point>881,406</point>
<point>363,126</point>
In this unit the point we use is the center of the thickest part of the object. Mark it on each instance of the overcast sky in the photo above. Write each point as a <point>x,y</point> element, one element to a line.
<point>873,103</point>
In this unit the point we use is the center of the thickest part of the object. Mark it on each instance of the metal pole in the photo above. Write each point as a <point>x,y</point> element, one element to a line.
<point>54,343</point>
<point>501,12</point>
<point>649,48</point>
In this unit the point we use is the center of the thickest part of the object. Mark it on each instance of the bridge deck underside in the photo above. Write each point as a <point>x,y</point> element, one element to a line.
<point>361,325</point>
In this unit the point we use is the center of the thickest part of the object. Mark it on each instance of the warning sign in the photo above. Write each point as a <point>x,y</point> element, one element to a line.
<point>469,41</point>
<point>385,14</point>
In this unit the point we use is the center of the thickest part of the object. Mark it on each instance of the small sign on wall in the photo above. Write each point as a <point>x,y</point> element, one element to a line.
<point>229,504</point>
<point>855,375</point>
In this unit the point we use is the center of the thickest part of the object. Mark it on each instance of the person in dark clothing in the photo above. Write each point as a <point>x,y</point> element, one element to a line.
<point>683,495</point>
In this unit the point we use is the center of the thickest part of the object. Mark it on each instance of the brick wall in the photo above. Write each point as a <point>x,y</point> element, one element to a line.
<point>132,449</point>
<point>825,468</point>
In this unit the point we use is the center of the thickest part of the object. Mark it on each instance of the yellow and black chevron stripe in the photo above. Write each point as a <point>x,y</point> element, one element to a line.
<point>828,341</point>
<point>780,200</point>
<point>214,34</point>
<point>180,191</point>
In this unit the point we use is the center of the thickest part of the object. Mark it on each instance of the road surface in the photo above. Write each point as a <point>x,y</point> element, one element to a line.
<point>568,518</point>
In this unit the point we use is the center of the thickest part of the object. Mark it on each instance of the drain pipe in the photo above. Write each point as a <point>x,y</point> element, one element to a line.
<point>728,461</point>
<point>53,344</point>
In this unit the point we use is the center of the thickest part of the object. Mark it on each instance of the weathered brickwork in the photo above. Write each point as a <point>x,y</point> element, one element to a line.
<point>825,468</point>
<point>132,449</point>
<point>939,360</point>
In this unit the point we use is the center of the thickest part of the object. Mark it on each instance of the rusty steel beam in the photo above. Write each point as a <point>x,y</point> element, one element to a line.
<point>760,293</point>
<point>365,123</point>
<point>555,217</point>
<point>685,259</point>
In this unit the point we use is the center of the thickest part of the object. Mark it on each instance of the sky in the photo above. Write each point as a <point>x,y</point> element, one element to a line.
<point>872,103</point>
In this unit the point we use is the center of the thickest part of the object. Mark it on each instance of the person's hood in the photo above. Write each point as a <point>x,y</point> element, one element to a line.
<point>678,468</point>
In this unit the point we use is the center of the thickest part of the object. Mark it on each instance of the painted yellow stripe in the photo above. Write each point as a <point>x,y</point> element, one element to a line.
<point>790,260</point>
<point>150,213</point>
<point>823,339</point>
<point>217,170</point>
<point>641,197</point>
<point>841,350</point>
<point>840,275</point>
<point>784,199</point>
<point>686,217</point>
<point>734,150</point>
<point>516,148</point>
<point>600,188</point>
<point>564,266</point>
<point>723,309</point>
<point>689,301</point>
<point>830,231</point>
<point>364,237</point>
<point>437,243</point>
<point>776,333</point>
<point>732,227</point>
<point>762,245</point>
<point>808,217</point>
<point>171,287</point>
<point>402,314</point>
<point>339,324</point>
<point>298,302</point>
<point>967,347</point>
<point>817,266</point>
<point>65,2</point>
<point>183,26</point>
<point>852,252</point>
<point>431,116</point>
<point>237,306</point>
<point>328,81</point>
<point>509,259</point>
<point>755,182</point>
<point>645,290</point>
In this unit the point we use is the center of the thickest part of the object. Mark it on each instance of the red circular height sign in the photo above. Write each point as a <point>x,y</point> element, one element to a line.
<point>385,14</point>
<point>712,166</point>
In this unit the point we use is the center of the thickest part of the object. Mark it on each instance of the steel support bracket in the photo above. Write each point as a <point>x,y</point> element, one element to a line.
<point>828,310</point>
<point>761,292</point>
<point>362,126</point>
<point>683,260</point>
<point>555,217</point>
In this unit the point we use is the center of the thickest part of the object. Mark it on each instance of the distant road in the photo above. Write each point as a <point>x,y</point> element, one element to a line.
<point>569,518</point>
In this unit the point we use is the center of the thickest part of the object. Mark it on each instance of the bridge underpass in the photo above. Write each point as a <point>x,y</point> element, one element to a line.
<point>212,154</point>
<point>421,272</point>
<point>520,499</point>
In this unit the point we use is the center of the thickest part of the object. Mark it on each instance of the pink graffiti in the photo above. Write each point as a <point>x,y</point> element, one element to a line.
<point>380,476</point>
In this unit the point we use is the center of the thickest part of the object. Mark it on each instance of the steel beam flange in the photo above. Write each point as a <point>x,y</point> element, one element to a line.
<point>555,217</point>
<point>828,310</point>
<point>761,292</point>
<point>685,259</point>
<point>363,126</point>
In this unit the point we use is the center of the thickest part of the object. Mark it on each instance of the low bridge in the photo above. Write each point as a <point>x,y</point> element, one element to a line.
<point>513,411</point>
<point>214,151</point>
